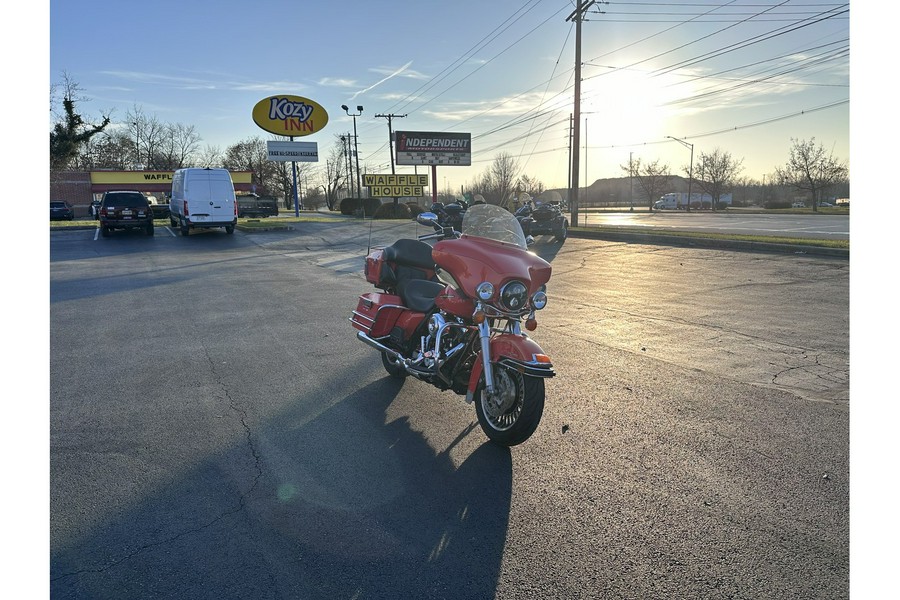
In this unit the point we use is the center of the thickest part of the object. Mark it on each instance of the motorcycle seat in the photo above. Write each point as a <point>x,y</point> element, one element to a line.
<point>410,253</point>
<point>419,294</point>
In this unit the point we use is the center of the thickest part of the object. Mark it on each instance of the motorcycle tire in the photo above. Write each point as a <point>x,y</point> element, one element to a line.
<point>394,368</point>
<point>516,416</point>
<point>561,234</point>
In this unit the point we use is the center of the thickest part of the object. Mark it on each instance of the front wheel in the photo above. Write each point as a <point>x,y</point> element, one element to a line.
<point>562,233</point>
<point>513,413</point>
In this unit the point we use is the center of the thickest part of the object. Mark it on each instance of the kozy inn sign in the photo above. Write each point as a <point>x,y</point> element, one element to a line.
<point>289,115</point>
<point>395,186</point>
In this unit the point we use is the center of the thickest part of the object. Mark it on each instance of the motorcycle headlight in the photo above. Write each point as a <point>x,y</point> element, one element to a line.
<point>485,291</point>
<point>513,296</point>
<point>539,300</point>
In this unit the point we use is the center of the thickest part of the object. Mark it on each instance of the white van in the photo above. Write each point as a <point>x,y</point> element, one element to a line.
<point>202,198</point>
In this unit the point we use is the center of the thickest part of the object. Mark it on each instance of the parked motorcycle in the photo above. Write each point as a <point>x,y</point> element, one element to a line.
<point>452,316</point>
<point>450,214</point>
<point>543,218</point>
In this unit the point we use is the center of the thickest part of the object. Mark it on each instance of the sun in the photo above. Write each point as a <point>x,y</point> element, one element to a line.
<point>628,107</point>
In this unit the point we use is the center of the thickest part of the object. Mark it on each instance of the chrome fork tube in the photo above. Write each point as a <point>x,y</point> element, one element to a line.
<point>484,332</point>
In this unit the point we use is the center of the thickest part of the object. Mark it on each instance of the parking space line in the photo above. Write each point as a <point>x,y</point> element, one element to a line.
<point>172,233</point>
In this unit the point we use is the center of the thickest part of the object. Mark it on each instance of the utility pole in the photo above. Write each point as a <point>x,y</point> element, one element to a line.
<point>391,137</point>
<point>578,16</point>
<point>569,189</point>
<point>345,140</point>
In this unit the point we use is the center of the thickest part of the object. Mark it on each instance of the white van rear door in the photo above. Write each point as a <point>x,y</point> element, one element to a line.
<point>222,195</point>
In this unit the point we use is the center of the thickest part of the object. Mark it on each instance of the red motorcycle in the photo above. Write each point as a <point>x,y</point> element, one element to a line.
<point>452,316</point>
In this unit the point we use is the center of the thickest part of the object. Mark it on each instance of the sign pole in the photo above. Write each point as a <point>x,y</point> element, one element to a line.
<point>433,184</point>
<point>294,177</point>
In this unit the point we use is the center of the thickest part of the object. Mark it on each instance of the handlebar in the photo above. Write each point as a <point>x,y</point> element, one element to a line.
<point>443,233</point>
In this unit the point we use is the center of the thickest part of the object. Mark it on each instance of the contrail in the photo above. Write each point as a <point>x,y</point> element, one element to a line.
<point>374,85</point>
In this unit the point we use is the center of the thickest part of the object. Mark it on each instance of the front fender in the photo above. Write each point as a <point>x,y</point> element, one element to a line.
<point>515,351</point>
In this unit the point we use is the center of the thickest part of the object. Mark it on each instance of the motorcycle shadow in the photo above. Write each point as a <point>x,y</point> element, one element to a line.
<point>382,514</point>
<point>546,247</point>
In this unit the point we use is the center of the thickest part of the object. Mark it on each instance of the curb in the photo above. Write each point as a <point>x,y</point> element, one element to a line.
<point>700,242</point>
<point>246,229</point>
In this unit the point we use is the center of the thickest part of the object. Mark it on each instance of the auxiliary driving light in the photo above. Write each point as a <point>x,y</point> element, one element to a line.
<point>485,290</point>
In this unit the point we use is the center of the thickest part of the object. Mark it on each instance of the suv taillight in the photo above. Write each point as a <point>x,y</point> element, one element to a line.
<point>186,212</point>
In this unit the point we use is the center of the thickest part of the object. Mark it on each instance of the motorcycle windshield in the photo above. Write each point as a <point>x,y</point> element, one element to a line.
<point>494,223</point>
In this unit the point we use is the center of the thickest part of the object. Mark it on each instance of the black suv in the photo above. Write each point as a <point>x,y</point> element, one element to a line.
<point>125,210</point>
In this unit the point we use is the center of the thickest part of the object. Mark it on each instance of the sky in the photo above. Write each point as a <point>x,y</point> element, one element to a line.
<point>744,76</point>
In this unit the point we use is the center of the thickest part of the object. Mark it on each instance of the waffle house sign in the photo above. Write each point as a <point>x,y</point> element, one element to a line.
<point>289,115</point>
<point>395,186</point>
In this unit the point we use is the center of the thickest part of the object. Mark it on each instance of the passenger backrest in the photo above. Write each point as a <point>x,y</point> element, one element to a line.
<point>412,259</point>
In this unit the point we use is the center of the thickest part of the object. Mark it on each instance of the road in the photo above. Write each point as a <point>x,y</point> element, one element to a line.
<point>218,432</point>
<point>832,227</point>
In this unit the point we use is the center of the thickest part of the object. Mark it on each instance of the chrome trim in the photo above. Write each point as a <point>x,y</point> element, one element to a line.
<point>496,313</point>
<point>530,368</point>
<point>372,319</point>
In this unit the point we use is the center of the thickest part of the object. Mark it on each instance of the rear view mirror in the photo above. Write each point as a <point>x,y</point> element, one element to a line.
<point>427,218</point>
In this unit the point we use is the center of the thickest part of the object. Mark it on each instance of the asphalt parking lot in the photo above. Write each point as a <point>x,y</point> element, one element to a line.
<point>216,431</point>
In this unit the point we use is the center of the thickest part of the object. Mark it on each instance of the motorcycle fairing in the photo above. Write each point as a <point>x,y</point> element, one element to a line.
<point>473,260</point>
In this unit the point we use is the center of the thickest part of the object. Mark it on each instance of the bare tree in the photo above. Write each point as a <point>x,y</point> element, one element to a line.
<point>497,183</point>
<point>284,182</point>
<point>210,156</point>
<point>504,171</point>
<point>716,173</point>
<point>148,133</point>
<point>531,185</point>
<point>653,178</point>
<point>812,169</point>
<point>335,171</point>
<point>252,155</point>
<point>177,147</point>
<point>107,151</point>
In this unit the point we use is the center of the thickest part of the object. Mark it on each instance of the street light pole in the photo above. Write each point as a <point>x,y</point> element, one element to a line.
<point>690,169</point>
<point>355,144</point>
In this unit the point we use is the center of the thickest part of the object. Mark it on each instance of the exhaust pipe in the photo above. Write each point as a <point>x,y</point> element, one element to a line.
<point>409,365</point>
<point>379,346</point>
